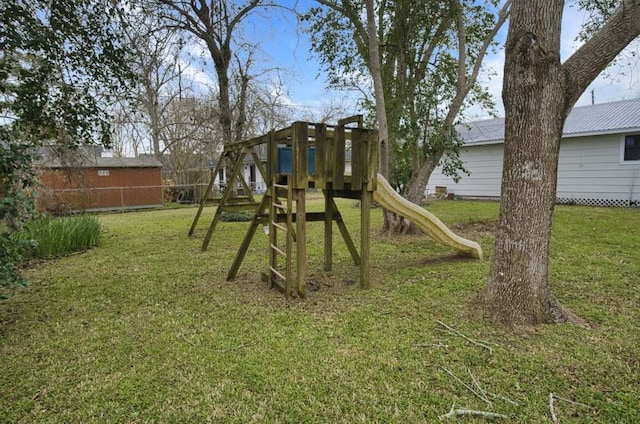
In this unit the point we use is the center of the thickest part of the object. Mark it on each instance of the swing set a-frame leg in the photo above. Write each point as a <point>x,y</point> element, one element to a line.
<point>242,251</point>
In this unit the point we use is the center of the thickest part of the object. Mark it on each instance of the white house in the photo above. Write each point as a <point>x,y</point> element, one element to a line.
<point>599,161</point>
<point>249,171</point>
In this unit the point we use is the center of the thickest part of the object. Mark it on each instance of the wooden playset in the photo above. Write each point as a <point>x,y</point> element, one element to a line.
<point>302,156</point>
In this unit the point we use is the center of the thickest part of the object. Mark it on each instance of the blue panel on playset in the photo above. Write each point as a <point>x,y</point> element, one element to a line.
<point>284,160</point>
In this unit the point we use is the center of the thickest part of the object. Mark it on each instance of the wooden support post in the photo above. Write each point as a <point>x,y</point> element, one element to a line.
<point>365,239</point>
<point>273,235</point>
<point>328,227</point>
<point>272,158</point>
<point>289,242</point>
<point>225,197</point>
<point>203,201</point>
<point>358,160</point>
<point>345,235</point>
<point>300,155</point>
<point>372,160</point>
<point>322,175</point>
<point>301,242</point>
<point>259,166</point>
<point>242,251</point>
<point>338,157</point>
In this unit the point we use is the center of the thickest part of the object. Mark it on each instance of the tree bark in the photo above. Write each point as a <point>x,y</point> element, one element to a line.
<point>538,93</point>
<point>376,75</point>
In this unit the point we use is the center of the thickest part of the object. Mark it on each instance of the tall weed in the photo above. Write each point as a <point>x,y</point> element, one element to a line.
<point>62,236</point>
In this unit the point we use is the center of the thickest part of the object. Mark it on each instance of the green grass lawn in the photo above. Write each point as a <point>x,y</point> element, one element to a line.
<point>145,329</point>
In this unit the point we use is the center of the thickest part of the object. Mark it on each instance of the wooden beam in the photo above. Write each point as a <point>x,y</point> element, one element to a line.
<point>373,149</point>
<point>321,161</point>
<point>338,158</point>
<point>346,236</point>
<point>328,227</point>
<point>358,165</point>
<point>225,196</point>
<point>203,201</point>
<point>301,242</point>
<point>365,239</point>
<point>246,242</point>
<point>300,155</point>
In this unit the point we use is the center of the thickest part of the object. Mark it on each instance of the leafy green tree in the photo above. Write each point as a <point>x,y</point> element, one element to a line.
<point>59,62</point>
<point>430,58</point>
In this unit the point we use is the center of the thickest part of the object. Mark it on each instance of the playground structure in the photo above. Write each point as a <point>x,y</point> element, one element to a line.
<point>312,155</point>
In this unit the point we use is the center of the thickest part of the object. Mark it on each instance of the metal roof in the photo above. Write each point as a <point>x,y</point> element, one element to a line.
<point>604,118</point>
<point>104,162</point>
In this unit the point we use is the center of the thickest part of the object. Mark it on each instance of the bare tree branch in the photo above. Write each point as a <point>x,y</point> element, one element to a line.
<point>597,52</point>
<point>453,413</point>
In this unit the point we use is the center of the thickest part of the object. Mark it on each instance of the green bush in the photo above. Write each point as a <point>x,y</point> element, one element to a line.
<point>12,254</point>
<point>62,236</point>
<point>241,216</point>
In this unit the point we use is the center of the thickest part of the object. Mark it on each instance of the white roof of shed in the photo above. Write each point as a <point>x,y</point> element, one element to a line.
<point>604,118</point>
<point>100,162</point>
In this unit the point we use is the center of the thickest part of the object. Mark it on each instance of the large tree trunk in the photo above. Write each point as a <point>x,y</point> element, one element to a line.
<point>376,75</point>
<point>538,92</point>
<point>533,94</point>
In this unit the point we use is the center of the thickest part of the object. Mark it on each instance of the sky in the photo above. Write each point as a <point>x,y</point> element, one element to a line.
<point>283,45</point>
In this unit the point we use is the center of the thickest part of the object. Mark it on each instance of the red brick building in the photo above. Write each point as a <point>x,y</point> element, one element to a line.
<point>100,183</point>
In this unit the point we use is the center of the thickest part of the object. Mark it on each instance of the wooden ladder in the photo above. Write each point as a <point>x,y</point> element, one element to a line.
<point>276,211</point>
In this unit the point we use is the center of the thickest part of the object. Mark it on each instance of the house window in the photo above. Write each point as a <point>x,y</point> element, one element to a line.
<point>103,172</point>
<point>632,147</point>
<point>221,175</point>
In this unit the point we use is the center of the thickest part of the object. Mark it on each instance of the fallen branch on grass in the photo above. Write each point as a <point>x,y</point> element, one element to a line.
<point>552,410</point>
<point>471,389</point>
<point>471,412</point>
<point>469,339</point>
<point>554,418</point>
<point>571,401</point>
<point>486,394</point>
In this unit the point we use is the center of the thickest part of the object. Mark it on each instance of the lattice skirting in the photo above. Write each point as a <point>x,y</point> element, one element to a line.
<point>615,203</point>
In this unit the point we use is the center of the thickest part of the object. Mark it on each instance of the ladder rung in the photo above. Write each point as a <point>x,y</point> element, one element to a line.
<point>277,249</point>
<point>275,271</point>
<point>281,227</point>
<point>276,205</point>
<point>285,186</point>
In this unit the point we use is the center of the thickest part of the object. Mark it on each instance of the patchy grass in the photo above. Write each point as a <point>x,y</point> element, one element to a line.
<point>146,329</point>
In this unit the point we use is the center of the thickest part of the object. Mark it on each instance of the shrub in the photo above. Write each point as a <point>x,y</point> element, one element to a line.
<point>62,236</point>
<point>241,216</point>
<point>12,255</point>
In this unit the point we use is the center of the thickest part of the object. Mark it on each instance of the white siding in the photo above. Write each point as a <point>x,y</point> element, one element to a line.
<point>485,165</point>
<point>590,171</point>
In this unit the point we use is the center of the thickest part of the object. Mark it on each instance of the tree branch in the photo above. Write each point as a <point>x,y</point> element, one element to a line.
<point>554,418</point>
<point>456,332</point>
<point>361,35</point>
<point>471,412</point>
<point>471,389</point>
<point>593,57</point>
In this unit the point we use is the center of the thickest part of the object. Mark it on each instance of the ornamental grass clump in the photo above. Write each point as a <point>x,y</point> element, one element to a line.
<point>56,237</point>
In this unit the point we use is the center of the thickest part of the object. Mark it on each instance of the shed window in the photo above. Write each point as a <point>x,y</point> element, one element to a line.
<point>103,172</point>
<point>632,147</point>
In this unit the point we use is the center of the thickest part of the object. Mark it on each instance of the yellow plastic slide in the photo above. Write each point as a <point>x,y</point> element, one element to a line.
<point>388,198</point>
